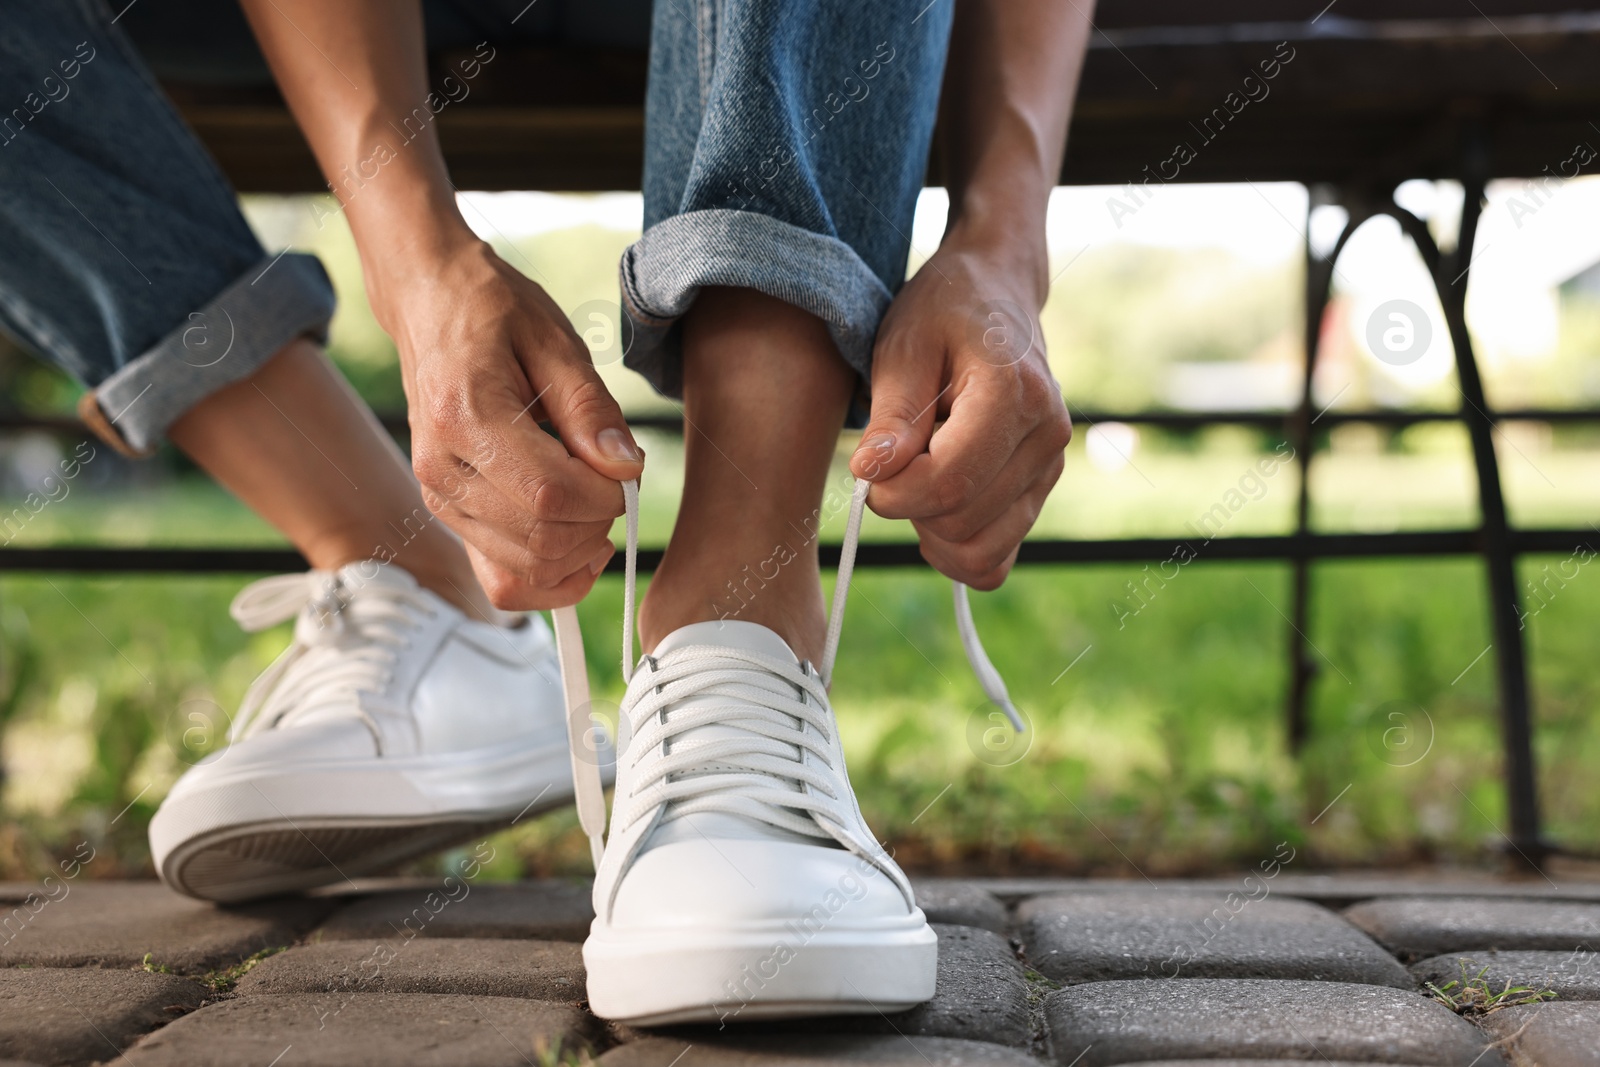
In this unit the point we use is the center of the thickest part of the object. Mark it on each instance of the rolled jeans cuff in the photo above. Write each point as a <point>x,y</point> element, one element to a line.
<point>663,272</point>
<point>228,340</point>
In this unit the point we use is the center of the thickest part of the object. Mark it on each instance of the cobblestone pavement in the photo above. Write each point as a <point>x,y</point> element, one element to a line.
<point>1261,970</point>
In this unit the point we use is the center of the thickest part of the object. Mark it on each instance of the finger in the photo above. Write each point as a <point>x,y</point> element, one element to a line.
<point>582,409</point>
<point>524,464</point>
<point>516,558</point>
<point>508,592</point>
<point>907,375</point>
<point>1035,461</point>
<point>544,539</point>
<point>962,458</point>
<point>984,560</point>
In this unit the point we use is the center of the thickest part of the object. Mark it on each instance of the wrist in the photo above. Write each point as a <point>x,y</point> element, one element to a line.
<point>408,237</point>
<point>1010,244</point>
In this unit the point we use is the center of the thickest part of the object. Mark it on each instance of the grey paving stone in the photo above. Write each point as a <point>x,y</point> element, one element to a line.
<point>1572,975</point>
<point>816,1050</point>
<point>537,970</point>
<point>981,996</point>
<point>1415,927</point>
<point>1096,937</point>
<point>84,1014</point>
<point>548,910</point>
<point>1549,1035</point>
<point>1335,889</point>
<point>113,924</point>
<point>1109,1023</point>
<point>367,1030</point>
<point>960,904</point>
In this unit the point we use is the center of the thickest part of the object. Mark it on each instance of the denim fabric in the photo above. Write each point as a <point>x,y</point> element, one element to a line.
<point>123,256</point>
<point>785,144</point>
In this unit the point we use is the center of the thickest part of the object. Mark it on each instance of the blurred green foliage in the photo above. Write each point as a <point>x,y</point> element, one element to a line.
<point>1158,739</point>
<point>1164,737</point>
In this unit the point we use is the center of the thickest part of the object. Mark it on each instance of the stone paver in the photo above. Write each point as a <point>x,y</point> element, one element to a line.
<point>959,904</point>
<point>1415,927</point>
<point>1096,937</point>
<point>114,924</point>
<point>815,1050</point>
<point>982,996</point>
<point>1572,975</point>
<point>480,967</point>
<point>367,1030</point>
<point>83,1015</point>
<point>1111,1023</point>
<point>550,910</point>
<point>1335,889</point>
<point>1549,1035</point>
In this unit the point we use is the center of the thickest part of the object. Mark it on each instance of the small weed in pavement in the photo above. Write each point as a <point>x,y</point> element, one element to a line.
<point>224,980</point>
<point>552,1055</point>
<point>1472,994</point>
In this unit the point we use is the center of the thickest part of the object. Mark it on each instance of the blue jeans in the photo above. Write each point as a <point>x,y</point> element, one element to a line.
<point>785,144</point>
<point>123,256</point>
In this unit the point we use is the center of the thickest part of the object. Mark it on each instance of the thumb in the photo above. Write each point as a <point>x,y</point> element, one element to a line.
<point>905,392</point>
<point>589,421</point>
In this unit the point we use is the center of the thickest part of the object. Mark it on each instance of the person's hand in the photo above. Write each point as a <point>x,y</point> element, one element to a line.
<point>961,344</point>
<point>485,355</point>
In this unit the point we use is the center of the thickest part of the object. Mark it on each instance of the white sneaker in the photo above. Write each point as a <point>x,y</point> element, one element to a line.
<point>392,726</point>
<point>739,880</point>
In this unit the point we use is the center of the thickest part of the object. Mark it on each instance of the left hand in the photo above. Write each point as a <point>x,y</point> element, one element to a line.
<point>961,343</point>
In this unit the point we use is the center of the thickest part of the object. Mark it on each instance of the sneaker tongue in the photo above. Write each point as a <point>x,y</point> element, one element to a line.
<point>749,637</point>
<point>731,633</point>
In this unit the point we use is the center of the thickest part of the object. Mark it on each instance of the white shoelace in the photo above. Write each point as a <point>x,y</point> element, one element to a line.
<point>760,773</point>
<point>351,647</point>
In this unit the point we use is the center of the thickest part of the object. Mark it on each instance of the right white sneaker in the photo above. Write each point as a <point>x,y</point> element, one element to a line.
<point>392,726</point>
<point>739,880</point>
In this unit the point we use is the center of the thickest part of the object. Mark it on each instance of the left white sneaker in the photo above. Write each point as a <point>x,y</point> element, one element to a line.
<point>392,726</point>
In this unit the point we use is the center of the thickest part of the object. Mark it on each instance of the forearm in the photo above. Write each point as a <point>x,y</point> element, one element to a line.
<point>1012,75</point>
<point>354,73</point>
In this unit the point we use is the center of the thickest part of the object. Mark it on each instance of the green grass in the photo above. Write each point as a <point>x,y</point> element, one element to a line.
<point>1161,748</point>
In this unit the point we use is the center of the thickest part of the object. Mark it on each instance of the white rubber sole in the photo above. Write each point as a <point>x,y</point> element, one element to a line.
<point>269,830</point>
<point>761,971</point>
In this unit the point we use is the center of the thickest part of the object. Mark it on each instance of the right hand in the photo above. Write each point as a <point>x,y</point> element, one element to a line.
<point>485,355</point>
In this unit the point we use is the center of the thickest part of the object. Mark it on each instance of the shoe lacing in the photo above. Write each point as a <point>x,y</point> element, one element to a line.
<point>780,711</point>
<point>780,743</point>
<point>347,643</point>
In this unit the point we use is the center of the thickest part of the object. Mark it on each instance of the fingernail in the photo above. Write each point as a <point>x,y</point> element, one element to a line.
<point>614,444</point>
<point>879,442</point>
<point>598,564</point>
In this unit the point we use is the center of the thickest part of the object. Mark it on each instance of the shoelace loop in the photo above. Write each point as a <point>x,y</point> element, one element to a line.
<point>742,785</point>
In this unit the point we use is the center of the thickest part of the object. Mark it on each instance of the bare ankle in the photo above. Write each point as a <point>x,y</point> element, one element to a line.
<point>793,611</point>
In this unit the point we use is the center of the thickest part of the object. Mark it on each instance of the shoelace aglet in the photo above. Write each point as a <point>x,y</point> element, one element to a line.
<point>1014,715</point>
<point>994,687</point>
